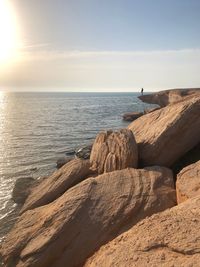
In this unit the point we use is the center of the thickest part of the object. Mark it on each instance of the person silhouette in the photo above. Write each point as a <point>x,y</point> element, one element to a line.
<point>142,90</point>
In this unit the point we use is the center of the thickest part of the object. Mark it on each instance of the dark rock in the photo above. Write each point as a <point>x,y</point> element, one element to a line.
<point>62,161</point>
<point>22,189</point>
<point>131,116</point>
<point>84,152</point>
<point>190,157</point>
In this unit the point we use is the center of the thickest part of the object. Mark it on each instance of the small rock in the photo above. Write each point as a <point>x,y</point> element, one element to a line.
<point>22,189</point>
<point>84,152</point>
<point>131,116</point>
<point>62,161</point>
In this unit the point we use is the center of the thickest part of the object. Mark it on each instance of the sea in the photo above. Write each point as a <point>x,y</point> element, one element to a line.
<point>38,128</point>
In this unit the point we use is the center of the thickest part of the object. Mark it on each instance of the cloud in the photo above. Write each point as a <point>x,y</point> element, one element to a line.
<point>96,70</point>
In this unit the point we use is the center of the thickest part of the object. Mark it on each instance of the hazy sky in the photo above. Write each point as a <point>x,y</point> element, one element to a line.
<point>104,45</point>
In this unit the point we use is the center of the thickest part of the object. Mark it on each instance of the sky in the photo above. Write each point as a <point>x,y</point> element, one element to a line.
<point>99,45</point>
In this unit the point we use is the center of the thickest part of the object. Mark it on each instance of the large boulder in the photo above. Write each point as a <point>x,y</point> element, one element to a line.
<point>114,151</point>
<point>170,238</point>
<point>67,231</point>
<point>165,135</point>
<point>188,182</point>
<point>55,185</point>
<point>166,97</point>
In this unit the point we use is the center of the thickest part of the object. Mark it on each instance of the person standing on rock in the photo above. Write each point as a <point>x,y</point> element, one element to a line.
<point>142,90</point>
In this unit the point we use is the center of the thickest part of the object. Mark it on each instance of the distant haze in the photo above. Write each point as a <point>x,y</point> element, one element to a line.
<point>107,45</point>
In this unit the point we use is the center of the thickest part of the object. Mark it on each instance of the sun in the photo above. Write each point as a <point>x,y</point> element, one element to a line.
<point>9,40</point>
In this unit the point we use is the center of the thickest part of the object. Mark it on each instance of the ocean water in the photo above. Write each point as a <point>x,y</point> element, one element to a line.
<point>38,128</point>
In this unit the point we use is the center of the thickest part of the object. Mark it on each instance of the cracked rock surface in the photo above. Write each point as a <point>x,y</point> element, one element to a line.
<point>70,229</point>
<point>170,238</point>
<point>114,151</point>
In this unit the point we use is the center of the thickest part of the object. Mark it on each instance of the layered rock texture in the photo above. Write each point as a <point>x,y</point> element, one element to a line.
<point>114,151</point>
<point>76,211</point>
<point>67,231</point>
<point>165,135</point>
<point>166,97</point>
<point>55,185</point>
<point>170,238</point>
<point>188,182</point>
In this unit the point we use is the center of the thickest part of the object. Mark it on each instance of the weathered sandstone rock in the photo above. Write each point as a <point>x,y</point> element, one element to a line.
<point>188,182</point>
<point>22,189</point>
<point>131,116</point>
<point>170,238</point>
<point>114,151</point>
<point>67,231</point>
<point>151,110</point>
<point>55,185</point>
<point>166,97</point>
<point>167,134</point>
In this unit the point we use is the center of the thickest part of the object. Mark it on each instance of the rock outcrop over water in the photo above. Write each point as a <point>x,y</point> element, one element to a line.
<point>67,231</point>
<point>188,182</point>
<point>165,135</point>
<point>114,151</point>
<point>102,210</point>
<point>170,238</point>
<point>164,98</point>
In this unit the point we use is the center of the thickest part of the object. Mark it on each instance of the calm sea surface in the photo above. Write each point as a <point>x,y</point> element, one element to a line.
<point>38,128</point>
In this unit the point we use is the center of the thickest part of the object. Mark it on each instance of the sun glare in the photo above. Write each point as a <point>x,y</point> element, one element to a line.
<point>9,40</point>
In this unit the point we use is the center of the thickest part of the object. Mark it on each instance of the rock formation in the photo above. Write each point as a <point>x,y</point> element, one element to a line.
<point>170,238</point>
<point>188,182</point>
<point>55,185</point>
<point>165,135</point>
<point>22,189</point>
<point>67,231</point>
<point>114,151</point>
<point>166,97</point>
<point>131,116</point>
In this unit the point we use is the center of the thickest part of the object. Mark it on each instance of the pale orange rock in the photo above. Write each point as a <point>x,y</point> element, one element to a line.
<point>165,135</point>
<point>70,229</point>
<point>114,151</point>
<point>166,97</point>
<point>170,238</point>
<point>188,182</point>
<point>56,184</point>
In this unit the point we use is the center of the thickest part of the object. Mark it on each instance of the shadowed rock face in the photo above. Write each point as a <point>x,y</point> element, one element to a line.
<point>67,231</point>
<point>164,98</point>
<point>114,151</point>
<point>22,189</point>
<point>170,238</point>
<point>165,135</point>
<point>188,182</point>
<point>55,185</point>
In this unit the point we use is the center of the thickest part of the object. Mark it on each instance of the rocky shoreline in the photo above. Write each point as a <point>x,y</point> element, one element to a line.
<point>134,201</point>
